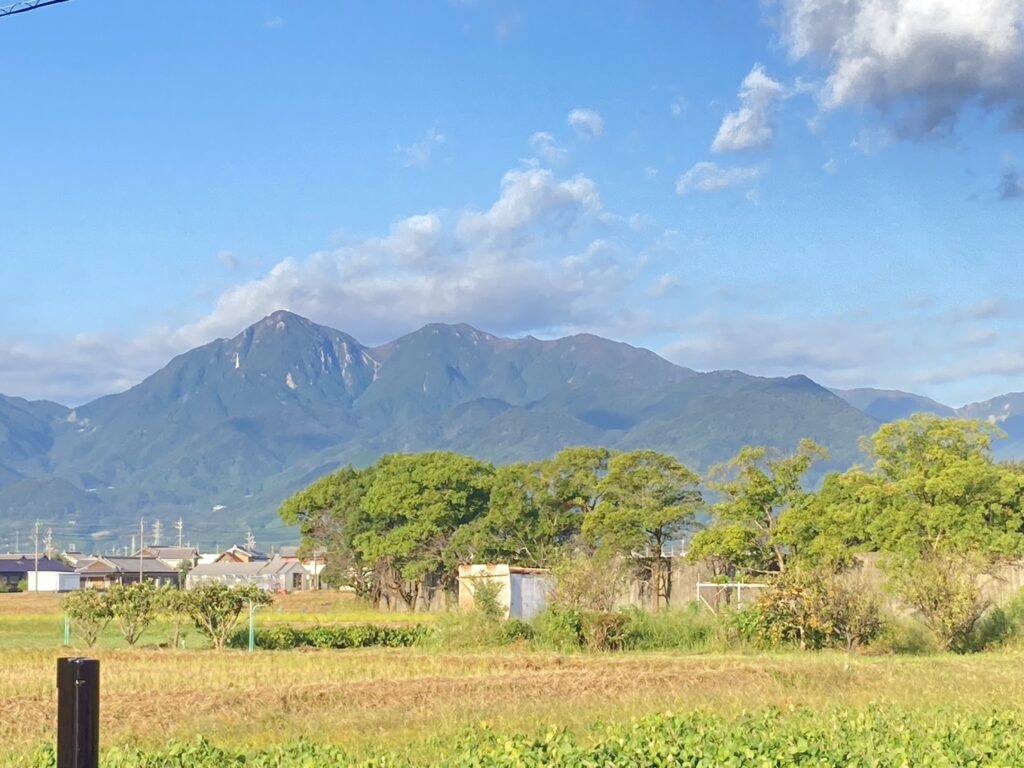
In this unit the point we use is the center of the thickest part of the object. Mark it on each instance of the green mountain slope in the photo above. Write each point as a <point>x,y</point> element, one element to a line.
<point>224,432</point>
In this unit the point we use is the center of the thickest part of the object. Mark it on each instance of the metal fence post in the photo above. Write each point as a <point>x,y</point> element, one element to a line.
<point>78,713</point>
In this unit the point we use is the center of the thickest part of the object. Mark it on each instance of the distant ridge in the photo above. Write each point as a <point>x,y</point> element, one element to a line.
<point>224,432</point>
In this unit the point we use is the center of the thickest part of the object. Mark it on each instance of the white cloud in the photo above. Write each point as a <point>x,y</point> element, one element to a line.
<point>228,259</point>
<point>752,125</point>
<point>420,153</point>
<point>273,22</point>
<point>664,285</point>
<point>587,122</point>
<point>919,62</point>
<point>544,144</point>
<point>678,107</point>
<point>710,177</point>
<point>769,346</point>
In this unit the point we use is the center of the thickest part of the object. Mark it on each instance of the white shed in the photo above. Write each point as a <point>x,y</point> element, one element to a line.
<point>522,591</point>
<point>53,581</point>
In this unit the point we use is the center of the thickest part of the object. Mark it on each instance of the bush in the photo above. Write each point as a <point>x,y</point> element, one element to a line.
<point>944,590</point>
<point>89,612</point>
<point>604,631</point>
<point>559,629</point>
<point>687,629</point>
<point>903,637</point>
<point>336,637</point>
<point>515,631</point>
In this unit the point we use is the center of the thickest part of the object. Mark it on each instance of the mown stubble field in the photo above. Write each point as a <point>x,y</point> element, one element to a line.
<point>413,699</point>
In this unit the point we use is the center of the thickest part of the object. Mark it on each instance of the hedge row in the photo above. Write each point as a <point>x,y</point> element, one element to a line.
<point>346,636</point>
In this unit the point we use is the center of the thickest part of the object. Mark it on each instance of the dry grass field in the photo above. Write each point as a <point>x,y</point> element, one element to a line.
<point>411,698</point>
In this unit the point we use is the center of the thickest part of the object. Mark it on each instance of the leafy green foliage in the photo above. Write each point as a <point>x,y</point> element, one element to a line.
<point>215,608</point>
<point>647,499</point>
<point>134,606</point>
<point>945,591</point>
<point>89,612</point>
<point>336,637</point>
<point>817,609</point>
<point>538,509</point>
<point>413,507</point>
<point>764,739</point>
<point>758,488</point>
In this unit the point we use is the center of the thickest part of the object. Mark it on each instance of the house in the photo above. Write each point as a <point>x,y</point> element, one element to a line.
<point>104,572</point>
<point>277,574</point>
<point>522,592</point>
<point>240,555</point>
<point>314,562</point>
<point>176,557</point>
<point>44,575</point>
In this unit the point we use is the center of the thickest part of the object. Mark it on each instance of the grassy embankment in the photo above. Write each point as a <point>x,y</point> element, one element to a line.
<point>417,700</point>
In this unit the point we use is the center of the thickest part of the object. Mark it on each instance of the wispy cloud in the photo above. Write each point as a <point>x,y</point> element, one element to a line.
<point>752,125</point>
<point>587,122</point>
<point>420,153</point>
<point>710,177</point>
<point>544,144</point>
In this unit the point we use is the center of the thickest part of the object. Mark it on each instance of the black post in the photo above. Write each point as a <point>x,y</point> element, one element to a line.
<point>78,713</point>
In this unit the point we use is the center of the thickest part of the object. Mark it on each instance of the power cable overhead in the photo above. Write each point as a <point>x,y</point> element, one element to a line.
<point>27,5</point>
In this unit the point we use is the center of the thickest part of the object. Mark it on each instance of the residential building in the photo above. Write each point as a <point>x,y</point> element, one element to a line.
<point>104,572</point>
<point>277,574</point>
<point>176,557</point>
<point>44,575</point>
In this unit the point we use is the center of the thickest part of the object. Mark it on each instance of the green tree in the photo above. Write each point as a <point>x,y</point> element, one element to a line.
<point>934,488</point>
<point>946,592</point>
<point>536,510</point>
<point>413,508</point>
<point>89,612</point>
<point>757,490</point>
<point>134,607</point>
<point>173,604</point>
<point>647,499</point>
<point>329,514</point>
<point>215,608</point>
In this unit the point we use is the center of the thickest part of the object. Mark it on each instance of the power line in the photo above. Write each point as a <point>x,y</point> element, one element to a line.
<point>27,5</point>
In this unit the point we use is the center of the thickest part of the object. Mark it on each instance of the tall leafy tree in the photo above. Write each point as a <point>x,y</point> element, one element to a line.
<point>757,489</point>
<point>537,509</point>
<point>413,507</point>
<point>936,489</point>
<point>647,499</point>
<point>329,514</point>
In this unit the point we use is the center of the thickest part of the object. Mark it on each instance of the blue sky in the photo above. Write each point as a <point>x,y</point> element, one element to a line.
<point>825,187</point>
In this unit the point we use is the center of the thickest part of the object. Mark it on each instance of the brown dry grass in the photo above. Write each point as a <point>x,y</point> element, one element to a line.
<point>400,697</point>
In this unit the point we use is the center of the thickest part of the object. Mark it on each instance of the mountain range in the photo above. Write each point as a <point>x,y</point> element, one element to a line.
<point>223,433</point>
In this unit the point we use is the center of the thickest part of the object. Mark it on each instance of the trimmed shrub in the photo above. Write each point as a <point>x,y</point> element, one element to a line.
<point>333,637</point>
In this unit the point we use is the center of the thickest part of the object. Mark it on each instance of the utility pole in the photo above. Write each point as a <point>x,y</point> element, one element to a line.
<point>36,539</point>
<point>142,539</point>
<point>49,543</point>
<point>158,528</point>
<point>250,541</point>
<point>180,526</point>
<point>17,541</point>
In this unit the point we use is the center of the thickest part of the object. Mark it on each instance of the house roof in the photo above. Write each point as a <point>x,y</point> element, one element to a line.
<point>271,567</point>
<point>171,553</point>
<point>28,564</point>
<point>149,565</point>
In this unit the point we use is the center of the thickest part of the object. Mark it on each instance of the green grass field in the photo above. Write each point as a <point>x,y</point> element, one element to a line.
<point>415,703</point>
